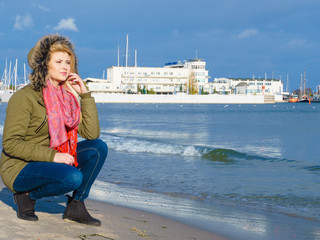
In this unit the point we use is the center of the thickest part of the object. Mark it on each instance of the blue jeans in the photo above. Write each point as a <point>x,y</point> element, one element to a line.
<point>45,179</point>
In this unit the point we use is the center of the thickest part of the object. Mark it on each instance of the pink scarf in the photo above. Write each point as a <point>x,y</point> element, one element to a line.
<point>63,112</point>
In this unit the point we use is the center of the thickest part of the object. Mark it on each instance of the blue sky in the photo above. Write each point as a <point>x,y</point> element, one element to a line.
<point>236,38</point>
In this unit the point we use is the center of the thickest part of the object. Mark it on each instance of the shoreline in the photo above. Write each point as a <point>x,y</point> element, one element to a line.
<point>117,223</point>
<point>185,99</point>
<point>176,98</point>
<point>229,219</point>
<point>121,220</point>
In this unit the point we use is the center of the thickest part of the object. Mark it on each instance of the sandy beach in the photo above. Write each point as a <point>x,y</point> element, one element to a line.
<point>117,223</point>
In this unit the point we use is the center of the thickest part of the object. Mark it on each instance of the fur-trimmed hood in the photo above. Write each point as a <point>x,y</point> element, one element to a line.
<point>38,59</point>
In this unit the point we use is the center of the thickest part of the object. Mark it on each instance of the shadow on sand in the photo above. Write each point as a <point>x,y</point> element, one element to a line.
<point>48,205</point>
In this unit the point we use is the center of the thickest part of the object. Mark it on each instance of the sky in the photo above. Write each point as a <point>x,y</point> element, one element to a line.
<point>239,39</point>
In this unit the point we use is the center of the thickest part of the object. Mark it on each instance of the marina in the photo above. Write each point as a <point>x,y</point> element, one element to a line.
<point>178,82</point>
<point>10,81</point>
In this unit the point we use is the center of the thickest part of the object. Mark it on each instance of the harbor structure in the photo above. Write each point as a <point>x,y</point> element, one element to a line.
<point>247,86</point>
<point>174,77</point>
<point>188,77</point>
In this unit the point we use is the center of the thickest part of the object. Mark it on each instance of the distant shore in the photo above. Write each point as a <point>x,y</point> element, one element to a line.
<point>184,98</point>
<point>174,98</point>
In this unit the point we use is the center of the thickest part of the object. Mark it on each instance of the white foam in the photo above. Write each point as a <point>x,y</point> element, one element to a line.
<point>135,145</point>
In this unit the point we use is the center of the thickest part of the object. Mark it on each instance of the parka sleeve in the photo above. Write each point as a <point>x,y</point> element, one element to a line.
<point>14,142</point>
<point>89,126</point>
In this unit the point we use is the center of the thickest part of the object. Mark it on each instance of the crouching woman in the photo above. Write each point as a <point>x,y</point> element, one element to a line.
<point>41,156</point>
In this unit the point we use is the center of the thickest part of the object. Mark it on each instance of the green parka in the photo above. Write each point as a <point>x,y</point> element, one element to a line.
<point>26,132</point>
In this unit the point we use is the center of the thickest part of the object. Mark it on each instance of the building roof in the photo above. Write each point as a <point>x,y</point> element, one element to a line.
<point>242,84</point>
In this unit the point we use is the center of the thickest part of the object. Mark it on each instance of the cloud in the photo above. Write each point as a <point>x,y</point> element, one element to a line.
<point>176,33</point>
<point>23,23</point>
<point>67,24</point>
<point>296,43</point>
<point>43,8</point>
<point>217,33</point>
<point>247,33</point>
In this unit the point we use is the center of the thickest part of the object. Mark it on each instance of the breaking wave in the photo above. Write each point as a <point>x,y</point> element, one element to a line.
<point>138,145</point>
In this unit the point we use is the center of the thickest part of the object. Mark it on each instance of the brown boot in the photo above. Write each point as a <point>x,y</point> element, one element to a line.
<point>25,208</point>
<point>76,211</point>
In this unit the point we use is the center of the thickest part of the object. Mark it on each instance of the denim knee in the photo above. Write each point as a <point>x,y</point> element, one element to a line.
<point>73,180</point>
<point>102,148</point>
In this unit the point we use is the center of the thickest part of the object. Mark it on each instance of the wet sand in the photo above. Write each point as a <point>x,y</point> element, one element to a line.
<point>117,223</point>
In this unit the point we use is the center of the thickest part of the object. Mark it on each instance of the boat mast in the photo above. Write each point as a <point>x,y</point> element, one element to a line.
<point>25,74</point>
<point>6,74</point>
<point>287,87</point>
<point>301,86</point>
<point>15,75</point>
<point>304,82</point>
<point>9,76</point>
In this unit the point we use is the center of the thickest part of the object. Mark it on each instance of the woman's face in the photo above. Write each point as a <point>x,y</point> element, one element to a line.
<point>59,67</point>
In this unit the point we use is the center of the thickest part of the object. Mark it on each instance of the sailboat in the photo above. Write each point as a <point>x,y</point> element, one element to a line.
<point>9,81</point>
<point>304,97</point>
<point>316,97</point>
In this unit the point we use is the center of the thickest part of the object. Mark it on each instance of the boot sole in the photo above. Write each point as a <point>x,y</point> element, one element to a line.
<point>97,224</point>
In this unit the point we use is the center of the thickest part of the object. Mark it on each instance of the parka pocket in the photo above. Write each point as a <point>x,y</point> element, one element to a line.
<point>42,124</point>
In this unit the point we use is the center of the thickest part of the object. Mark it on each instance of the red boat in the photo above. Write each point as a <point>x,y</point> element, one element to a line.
<point>293,99</point>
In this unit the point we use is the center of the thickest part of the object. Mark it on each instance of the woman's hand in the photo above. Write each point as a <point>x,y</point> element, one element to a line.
<point>63,158</point>
<point>76,83</point>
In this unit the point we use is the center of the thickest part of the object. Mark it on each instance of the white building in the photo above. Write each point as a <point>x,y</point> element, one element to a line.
<point>248,86</point>
<point>189,76</point>
<point>172,78</point>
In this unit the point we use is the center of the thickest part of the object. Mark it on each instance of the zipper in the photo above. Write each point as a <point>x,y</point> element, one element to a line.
<point>42,124</point>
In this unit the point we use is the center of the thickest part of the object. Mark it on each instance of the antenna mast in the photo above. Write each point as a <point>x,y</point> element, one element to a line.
<point>135,58</point>
<point>127,50</point>
<point>118,53</point>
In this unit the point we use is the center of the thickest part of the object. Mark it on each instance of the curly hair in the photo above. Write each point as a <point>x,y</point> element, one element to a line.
<point>39,57</point>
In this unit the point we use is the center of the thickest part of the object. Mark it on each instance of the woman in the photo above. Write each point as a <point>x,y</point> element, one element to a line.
<point>41,156</point>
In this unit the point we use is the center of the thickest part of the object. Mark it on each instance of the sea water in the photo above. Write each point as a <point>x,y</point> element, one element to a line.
<point>184,159</point>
